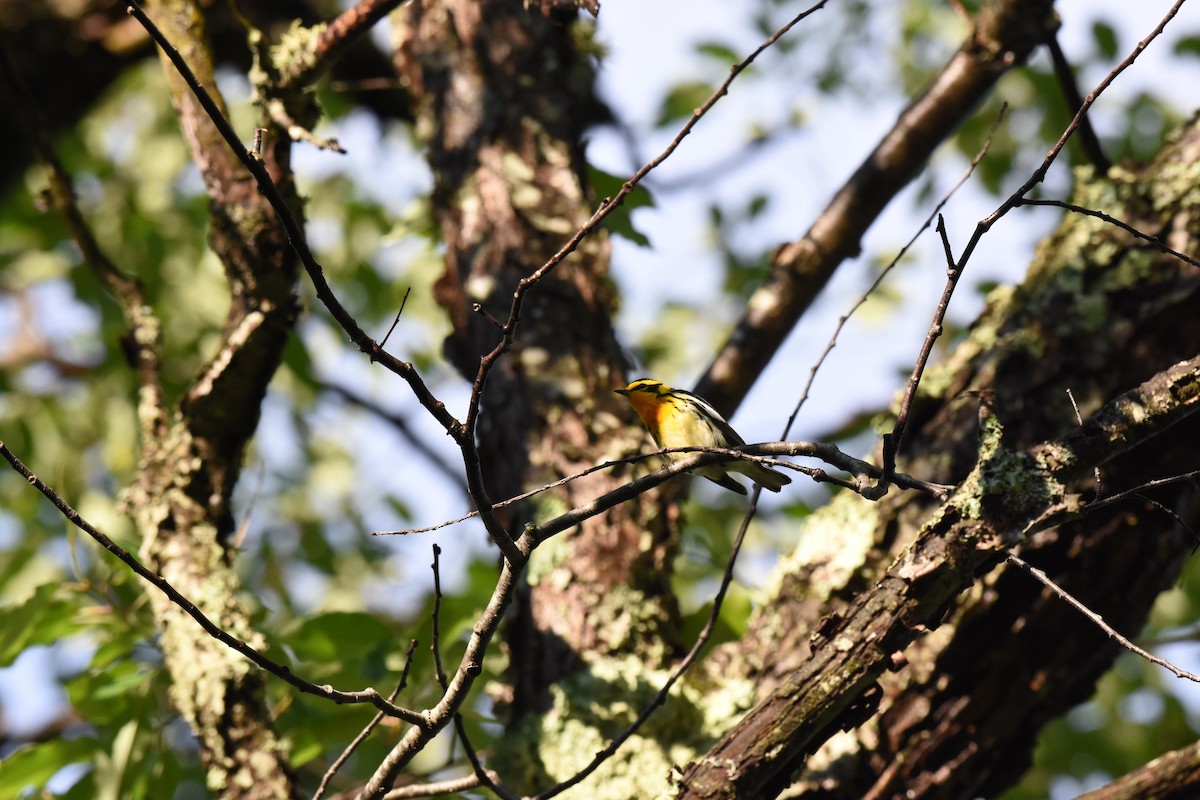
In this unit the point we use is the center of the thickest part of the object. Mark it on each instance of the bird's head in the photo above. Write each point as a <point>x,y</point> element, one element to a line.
<point>645,386</point>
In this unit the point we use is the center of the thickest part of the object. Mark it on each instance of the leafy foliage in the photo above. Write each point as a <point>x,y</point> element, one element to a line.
<point>314,486</point>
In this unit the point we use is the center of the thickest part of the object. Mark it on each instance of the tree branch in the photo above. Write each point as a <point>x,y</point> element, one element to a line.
<point>1005,33</point>
<point>1112,633</point>
<point>1171,776</point>
<point>1008,496</point>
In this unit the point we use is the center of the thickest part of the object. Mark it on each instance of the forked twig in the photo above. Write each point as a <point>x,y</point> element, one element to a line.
<point>863,471</point>
<point>683,666</point>
<point>879,279</point>
<point>366,731</point>
<point>485,777</point>
<point>295,234</point>
<point>893,441</point>
<point>509,328</point>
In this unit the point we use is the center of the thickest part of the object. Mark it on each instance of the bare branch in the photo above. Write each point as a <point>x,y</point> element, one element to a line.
<point>362,736</point>
<point>682,667</point>
<point>892,441</point>
<point>485,777</point>
<point>1005,33</point>
<point>1043,579</point>
<point>986,516</point>
<point>459,686</point>
<point>1066,79</point>
<point>1125,226</point>
<point>1187,477</point>
<point>875,284</point>
<point>1039,174</point>
<point>866,477</point>
<point>396,319</point>
<point>143,341</point>
<point>453,786</point>
<point>475,482</point>
<point>401,425</point>
<point>1171,776</point>
<point>335,39</point>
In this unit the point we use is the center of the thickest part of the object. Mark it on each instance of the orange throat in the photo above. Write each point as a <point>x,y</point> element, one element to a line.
<point>650,409</point>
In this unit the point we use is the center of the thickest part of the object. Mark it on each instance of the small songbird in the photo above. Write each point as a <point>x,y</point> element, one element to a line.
<point>676,418</point>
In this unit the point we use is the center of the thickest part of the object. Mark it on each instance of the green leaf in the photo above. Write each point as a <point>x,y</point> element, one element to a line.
<point>1188,46</point>
<point>104,695</point>
<point>45,617</point>
<point>30,767</point>
<point>719,51</point>
<point>340,636</point>
<point>682,101</point>
<point>620,221</point>
<point>1106,39</point>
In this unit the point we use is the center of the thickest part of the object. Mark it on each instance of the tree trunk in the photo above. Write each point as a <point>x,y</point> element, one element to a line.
<point>505,97</point>
<point>192,454</point>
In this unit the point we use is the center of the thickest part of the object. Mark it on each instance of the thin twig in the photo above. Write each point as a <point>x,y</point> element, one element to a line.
<point>362,736</point>
<point>452,786</point>
<point>486,778</point>
<point>865,474</point>
<point>462,434</point>
<point>661,696</point>
<point>509,328</point>
<point>1039,174</point>
<point>1079,420</point>
<point>1175,516</point>
<point>447,470</point>
<point>893,441</point>
<point>470,667</point>
<point>335,39</point>
<point>435,646</point>
<point>875,284</point>
<point>1042,578</point>
<point>1157,243</point>
<point>1136,491</point>
<point>279,114</point>
<point>212,629</point>
<point>396,321</point>
<point>143,340</point>
<point>1066,80</point>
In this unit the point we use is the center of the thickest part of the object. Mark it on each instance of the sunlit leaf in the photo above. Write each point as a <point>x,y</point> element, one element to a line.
<point>30,767</point>
<point>50,614</point>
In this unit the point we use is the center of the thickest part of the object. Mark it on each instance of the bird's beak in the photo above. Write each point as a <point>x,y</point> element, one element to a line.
<point>621,391</point>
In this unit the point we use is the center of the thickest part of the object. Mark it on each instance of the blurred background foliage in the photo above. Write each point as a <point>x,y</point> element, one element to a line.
<point>343,449</point>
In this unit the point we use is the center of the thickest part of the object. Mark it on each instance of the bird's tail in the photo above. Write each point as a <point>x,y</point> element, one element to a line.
<point>770,479</point>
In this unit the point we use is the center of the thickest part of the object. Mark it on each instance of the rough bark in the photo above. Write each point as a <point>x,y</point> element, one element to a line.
<point>1098,312</point>
<point>1171,776</point>
<point>504,96</point>
<point>192,453</point>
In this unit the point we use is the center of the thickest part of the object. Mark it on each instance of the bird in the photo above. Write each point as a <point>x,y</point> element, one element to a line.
<point>678,418</point>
